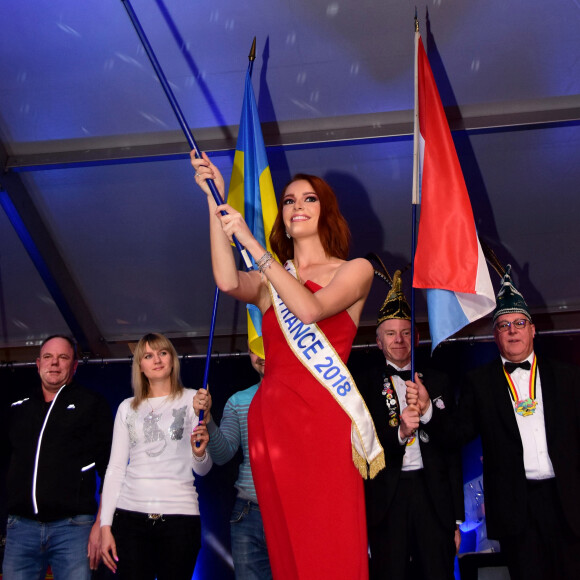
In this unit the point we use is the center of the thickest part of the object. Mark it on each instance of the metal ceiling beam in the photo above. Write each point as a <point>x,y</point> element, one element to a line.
<point>303,133</point>
<point>365,340</point>
<point>41,247</point>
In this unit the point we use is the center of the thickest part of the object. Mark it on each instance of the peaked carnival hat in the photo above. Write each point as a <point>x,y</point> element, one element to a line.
<point>509,299</point>
<point>395,306</point>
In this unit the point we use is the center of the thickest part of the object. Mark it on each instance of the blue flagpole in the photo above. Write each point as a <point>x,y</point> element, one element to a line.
<point>416,196</point>
<point>252,57</point>
<point>177,110</point>
<point>209,347</point>
<point>413,326</point>
<point>193,145</point>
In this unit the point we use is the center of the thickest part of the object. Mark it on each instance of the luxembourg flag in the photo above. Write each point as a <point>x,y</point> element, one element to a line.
<point>251,193</point>
<point>449,262</point>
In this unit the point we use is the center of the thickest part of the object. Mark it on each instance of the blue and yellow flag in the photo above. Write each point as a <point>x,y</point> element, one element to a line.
<point>251,193</point>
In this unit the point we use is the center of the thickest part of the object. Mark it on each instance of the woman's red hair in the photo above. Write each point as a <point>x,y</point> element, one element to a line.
<point>332,227</point>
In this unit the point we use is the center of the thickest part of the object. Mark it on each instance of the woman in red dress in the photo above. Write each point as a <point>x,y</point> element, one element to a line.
<point>309,491</point>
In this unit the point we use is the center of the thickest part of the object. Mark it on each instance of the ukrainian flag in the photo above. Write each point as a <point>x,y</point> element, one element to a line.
<point>251,193</point>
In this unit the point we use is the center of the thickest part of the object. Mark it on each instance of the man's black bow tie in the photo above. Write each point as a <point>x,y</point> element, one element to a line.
<point>405,375</point>
<point>510,367</point>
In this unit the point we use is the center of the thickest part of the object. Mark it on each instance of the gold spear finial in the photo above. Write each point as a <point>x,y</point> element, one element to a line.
<point>252,55</point>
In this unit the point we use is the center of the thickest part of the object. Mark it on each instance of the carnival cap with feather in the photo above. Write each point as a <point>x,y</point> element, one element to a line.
<point>395,306</point>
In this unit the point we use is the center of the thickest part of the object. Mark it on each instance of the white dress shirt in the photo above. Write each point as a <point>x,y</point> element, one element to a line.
<point>532,428</point>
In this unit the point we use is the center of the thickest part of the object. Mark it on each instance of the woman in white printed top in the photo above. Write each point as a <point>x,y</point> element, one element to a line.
<point>150,524</point>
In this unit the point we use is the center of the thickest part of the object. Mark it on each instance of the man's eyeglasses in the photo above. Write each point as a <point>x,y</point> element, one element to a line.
<point>518,324</point>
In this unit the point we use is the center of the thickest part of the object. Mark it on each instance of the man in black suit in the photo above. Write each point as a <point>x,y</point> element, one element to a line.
<point>415,504</point>
<point>527,411</point>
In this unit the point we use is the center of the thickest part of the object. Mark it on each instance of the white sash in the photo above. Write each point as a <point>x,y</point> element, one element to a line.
<point>317,354</point>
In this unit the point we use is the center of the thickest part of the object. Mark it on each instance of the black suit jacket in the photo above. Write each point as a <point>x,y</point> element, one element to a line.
<point>442,465</point>
<point>485,408</point>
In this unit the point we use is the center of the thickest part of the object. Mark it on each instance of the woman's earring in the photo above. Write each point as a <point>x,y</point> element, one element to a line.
<point>288,235</point>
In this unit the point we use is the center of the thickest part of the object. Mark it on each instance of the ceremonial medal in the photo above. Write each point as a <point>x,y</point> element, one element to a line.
<point>387,385</point>
<point>410,441</point>
<point>526,407</point>
<point>424,436</point>
<point>391,401</point>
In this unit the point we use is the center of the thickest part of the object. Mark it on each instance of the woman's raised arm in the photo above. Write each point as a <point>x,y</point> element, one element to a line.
<point>347,289</point>
<point>245,286</point>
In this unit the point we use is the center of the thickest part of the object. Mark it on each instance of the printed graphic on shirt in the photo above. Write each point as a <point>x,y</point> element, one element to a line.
<point>176,429</point>
<point>153,433</point>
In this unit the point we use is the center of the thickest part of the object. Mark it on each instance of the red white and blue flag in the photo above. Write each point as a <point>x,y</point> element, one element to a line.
<point>449,262</point>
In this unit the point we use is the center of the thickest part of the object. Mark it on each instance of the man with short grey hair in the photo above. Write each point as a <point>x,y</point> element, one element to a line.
<point>413,506</point>
<point>59,437</point>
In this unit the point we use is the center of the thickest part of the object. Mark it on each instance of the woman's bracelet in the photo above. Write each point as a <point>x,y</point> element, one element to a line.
<point>265,262</point>
<point>200,459</point>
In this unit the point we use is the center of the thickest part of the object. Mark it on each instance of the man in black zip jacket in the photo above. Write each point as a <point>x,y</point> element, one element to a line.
<point>59,436</point>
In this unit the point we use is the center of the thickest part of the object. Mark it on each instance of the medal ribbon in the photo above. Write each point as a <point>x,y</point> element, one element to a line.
<point>532,385</point>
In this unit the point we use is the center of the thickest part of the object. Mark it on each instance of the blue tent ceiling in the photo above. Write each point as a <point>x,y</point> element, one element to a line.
<point>80,104</point>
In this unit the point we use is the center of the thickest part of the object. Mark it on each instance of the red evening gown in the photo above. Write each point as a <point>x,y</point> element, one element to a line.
<point>310,493</point>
